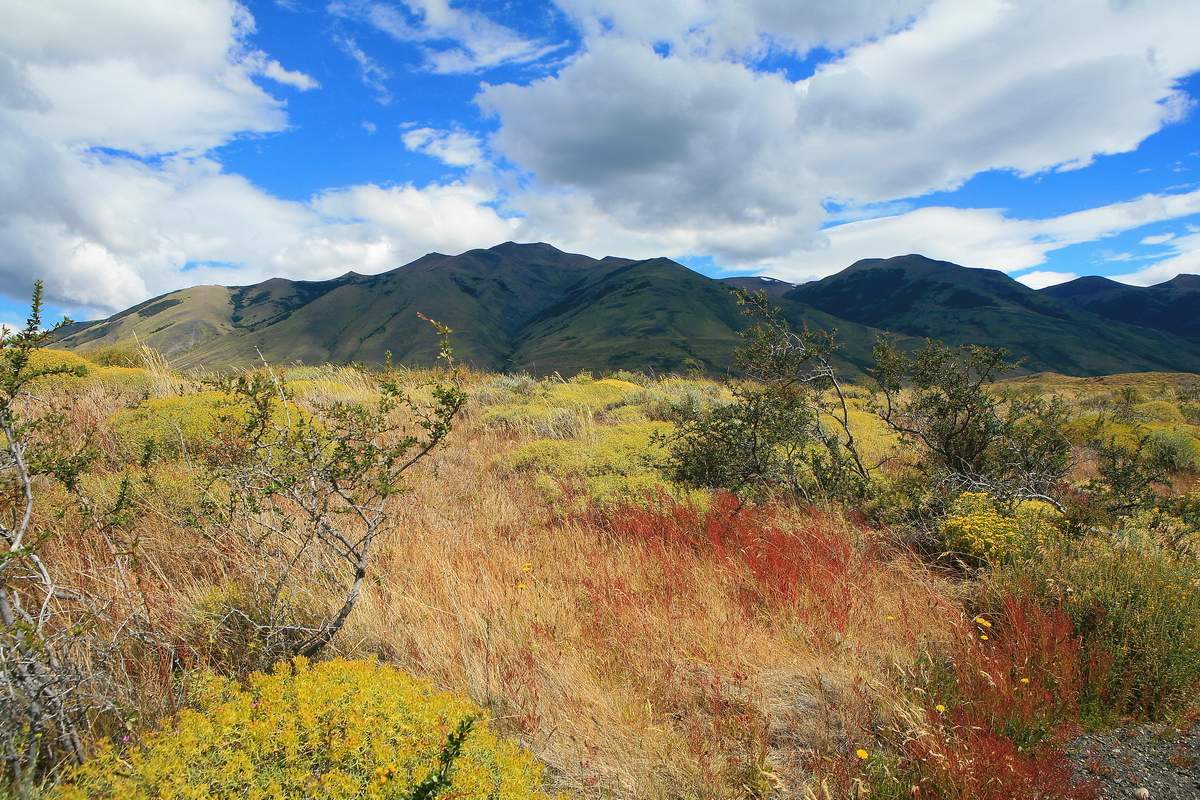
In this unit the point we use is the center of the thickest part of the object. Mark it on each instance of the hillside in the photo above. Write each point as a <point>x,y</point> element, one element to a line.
<point>533,307</point>
<point>642,633</point>
<point>513,306</point>
<point>917,296</point>
<point>1172,306</point>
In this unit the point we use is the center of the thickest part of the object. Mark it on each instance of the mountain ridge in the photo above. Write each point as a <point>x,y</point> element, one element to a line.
<point>534,307</point>
<point>1172,306</point>
<point>919,296</point>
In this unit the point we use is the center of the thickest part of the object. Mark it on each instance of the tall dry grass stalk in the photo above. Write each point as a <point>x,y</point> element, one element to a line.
<point>166,382</point>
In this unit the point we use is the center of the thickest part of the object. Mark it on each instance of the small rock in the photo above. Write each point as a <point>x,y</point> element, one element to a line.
<point>1142,793</point>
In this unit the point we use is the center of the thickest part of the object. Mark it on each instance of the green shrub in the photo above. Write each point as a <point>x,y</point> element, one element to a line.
<point>183,426</point>
<point>336,730</point>
<point>615,465</point>
<point>1158,411</point>
<point>1135,606</point>
<point>174,426</point>
<point>624,450</point>
<point>115,355</point>
<point>553,410</point>
<point>1173,451</point>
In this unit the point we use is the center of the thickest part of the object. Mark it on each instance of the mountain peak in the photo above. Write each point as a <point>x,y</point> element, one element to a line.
<point>1172,306</point>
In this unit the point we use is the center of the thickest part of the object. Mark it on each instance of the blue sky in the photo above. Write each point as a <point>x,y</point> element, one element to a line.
<point>148,145</point>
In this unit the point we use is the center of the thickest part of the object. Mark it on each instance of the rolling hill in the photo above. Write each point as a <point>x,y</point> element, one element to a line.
<point>917,296</point>
<point>1173,306</point>
<point>536,308</point>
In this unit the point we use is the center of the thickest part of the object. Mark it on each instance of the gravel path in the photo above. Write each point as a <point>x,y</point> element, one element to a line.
<point>1163,760</point>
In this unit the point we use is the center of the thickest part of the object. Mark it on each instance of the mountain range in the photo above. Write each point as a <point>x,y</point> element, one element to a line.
<point>533,307</point>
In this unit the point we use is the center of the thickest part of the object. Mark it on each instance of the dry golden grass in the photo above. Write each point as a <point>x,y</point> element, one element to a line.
<point>668,648</point>
<point>630,667</point>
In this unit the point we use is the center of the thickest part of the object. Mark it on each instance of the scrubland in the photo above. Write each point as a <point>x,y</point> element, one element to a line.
<point>644,638</point>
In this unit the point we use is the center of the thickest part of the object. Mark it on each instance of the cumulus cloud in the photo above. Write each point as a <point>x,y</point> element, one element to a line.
<point>470,42</point>
<point>107,113</point>
<point>110,110</point>
<point>745,27</point>
<point>694,138</point>
<point>660,142</point>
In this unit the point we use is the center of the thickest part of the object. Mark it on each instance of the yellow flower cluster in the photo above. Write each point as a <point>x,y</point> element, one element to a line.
<point>975,525</point>
<point>335,730</point>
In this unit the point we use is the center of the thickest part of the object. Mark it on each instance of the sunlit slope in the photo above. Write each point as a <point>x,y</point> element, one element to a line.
<point>188,320</point>
<point>917,296</point>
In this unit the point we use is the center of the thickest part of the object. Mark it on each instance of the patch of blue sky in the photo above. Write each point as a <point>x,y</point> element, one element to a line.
<point>354,124</point>
<point>795,68</point>
<point>113,154</point>
<point>14,314</point>
<point>1167,162</point>
<point>705,265</point>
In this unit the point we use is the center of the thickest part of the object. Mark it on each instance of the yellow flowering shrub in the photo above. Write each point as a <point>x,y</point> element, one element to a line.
<point>184,425</point>
<point>975,525</point>
<point>616,465</point>
<point>335,730</point>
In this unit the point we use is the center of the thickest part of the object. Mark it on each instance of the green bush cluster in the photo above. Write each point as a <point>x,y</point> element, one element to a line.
<point>615,464</point>
<point>340,729</point>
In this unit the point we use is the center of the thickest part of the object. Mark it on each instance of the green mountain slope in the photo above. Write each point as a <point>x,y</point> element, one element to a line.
<point>759,283</point>
<point>533,307</point>
<point>659,315</point>
<point>1173,306</point>
<point>484,295</point>
<point>514,306</point>
<point>917,296</point>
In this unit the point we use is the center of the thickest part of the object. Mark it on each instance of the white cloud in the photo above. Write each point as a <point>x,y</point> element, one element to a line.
<point>168,80</point>
<point>1160,239</point>
<point>275,71</point>
<point>694,139</point>
<point>623,151</point>
<point>1040,280</point>
<point>978,237</point>
<point>745,27</point>
<point>373,76</point>
<point>456,148</point>
<point>473,41</point>
<point>413,221</point>
<point>1186,260</point>
<point>661,143</point>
